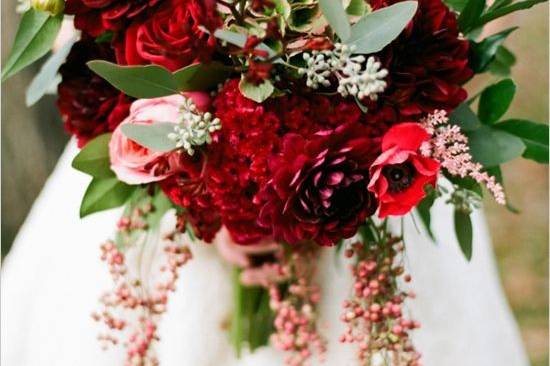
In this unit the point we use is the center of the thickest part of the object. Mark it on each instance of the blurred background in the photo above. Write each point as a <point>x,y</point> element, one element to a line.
<point>33,138</point>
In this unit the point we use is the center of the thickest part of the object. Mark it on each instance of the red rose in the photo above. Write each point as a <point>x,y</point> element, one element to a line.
<point>97,16</point>
<point>171,36</point>
<point>318,190</point>
<point>400,173</point>
<point>88,104</point>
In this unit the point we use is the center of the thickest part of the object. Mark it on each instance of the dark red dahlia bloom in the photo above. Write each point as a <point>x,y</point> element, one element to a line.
<point>400,173</point>
<point>88,104</point>
<point>318,190</point>
<point>171,36</point>
<point>427,63</point>
<point>97,16</point>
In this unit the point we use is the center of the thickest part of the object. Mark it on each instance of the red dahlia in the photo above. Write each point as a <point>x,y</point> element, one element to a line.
<point>318,190</point>
<point>97,16</point>
<point>88,104</point>
<point>427,63</point>
<point>171,36</point>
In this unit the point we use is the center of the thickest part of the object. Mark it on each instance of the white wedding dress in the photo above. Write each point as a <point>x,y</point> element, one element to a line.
<point>53,276</point>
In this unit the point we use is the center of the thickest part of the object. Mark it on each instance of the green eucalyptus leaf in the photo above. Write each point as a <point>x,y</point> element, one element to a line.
<point>257,93</point>
<point>152,136</point>
<point>470,14</point>
<point>94,159</point>
<point>103,194</point>
<point>35,36</point>
<point>46,77</point>
<point>464,232</point>
<point>495,101</point>
<point>150,81</point>
<point>482,53</point>
<point>465,118</point>
<point>377,29</point>
<point>357,8</point>
<point>199,77</point>
<point>490,146</point>
<point>534,136</point>
<point>334,12</point>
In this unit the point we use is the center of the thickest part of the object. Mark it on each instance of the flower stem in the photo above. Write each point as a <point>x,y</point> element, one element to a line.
<point>237,321</point>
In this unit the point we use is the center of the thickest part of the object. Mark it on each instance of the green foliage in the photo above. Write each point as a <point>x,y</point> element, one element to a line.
<point>464,117</point>
<point>493,143</point>
<point>456,5</point>
<point>93,159</point>
<point>495,101</point>
<point>239,39</point>
<point>423,210</point>
<point>252,320</point>
<point>534,136</point>
<point>153,81</point>
<point>491,146</point>
<point>499,4</point>
<point>257,93</point>
<point>464,232</point>
<point>377,29</point>
<point>502,10</point>
<point>152,136</point>
<point>103,194</point>
<point>502,63</point>
<point>35,36</point>
<point>470,14</point>
<point>357,8</point>
<point>482,53</point>
<point>201,77</point>
<point>150,81</point>
<point>47,75</point>
<point>337,18</point>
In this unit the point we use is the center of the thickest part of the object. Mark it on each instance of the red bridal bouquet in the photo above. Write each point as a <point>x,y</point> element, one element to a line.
<point>279,129</point>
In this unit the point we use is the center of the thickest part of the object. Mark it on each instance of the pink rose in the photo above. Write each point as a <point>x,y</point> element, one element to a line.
<point>135,164</point>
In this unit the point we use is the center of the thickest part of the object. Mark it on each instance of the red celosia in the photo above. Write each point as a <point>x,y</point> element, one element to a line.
<point>88,104</point>
<point>318,186</point>
<point>427,63</point>
<point>400,173</point>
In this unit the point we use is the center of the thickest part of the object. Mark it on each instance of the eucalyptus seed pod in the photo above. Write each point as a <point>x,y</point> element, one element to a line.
<point>53,7</point>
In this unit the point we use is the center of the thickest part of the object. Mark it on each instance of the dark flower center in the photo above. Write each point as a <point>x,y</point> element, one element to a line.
<point>399,176</point>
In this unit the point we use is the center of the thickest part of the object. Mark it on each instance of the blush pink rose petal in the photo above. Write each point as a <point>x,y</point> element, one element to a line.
<point>135,164</point>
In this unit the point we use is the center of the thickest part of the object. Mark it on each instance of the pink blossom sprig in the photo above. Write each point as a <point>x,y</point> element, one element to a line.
<point>374,314</point>
<point>295,310</point>
<point>450,147</point>
<point>131,310</point>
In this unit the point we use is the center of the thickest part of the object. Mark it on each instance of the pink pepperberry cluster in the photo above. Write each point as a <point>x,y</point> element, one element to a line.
<point>131,299</point>
<point>295,317</point>
<point>374,315</point>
